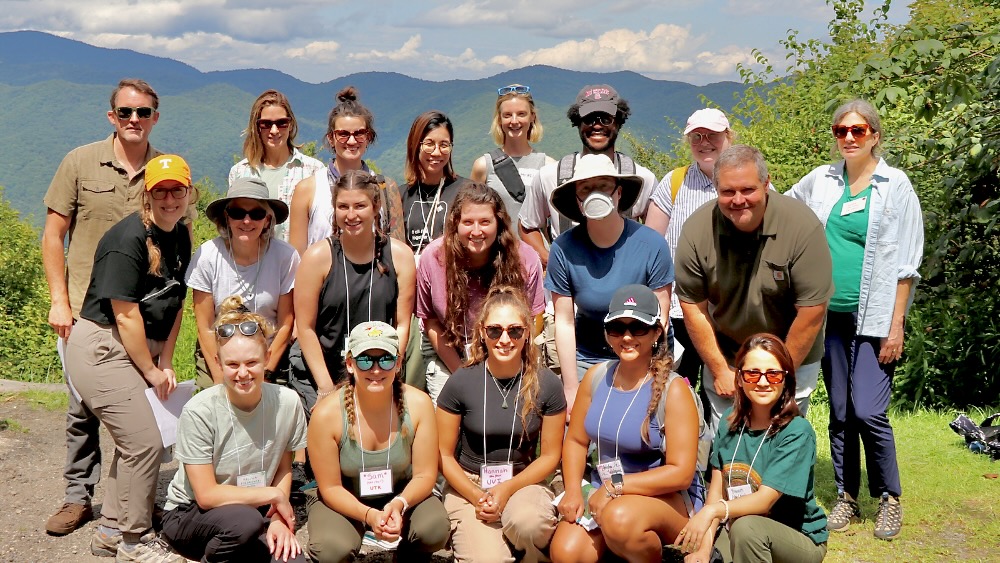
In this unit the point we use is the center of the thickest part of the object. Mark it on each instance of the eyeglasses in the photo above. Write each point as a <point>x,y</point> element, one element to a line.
<point>429,146</point>
<point>267,124</point>
<point>618,328</point>
<point>773,376</point>
<point>238,213</point>
<point>598,117</point>
<point>715,137</point>
<point>125,112</point>
<point>343,135</point>
<point>161,193</point>
<point>857,131</point>
<point>494,332</point>
<point>513,89</point>
<point>247,328</point>
<point>385,362</point>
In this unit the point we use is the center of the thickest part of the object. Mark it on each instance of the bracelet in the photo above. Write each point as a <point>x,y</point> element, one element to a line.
<point>610,493</point>
<point>322,394</point>
<point>366,515</point>
<point>406,505</point>
<point>726,504</point>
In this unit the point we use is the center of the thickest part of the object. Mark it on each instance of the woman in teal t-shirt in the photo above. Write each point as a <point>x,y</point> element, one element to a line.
<point>762,470</point>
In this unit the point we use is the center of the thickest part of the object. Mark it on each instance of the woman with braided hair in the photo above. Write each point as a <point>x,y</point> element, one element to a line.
<point>645,486</point>
<point>374,452</point>
<point>358,274</point>
<point>124,343</point>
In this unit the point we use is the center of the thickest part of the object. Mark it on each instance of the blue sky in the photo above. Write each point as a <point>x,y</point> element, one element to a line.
<point>319,40</point>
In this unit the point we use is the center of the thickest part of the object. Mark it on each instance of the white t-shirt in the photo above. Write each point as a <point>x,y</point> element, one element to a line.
<point>212,431</point>
<point>213,270</point>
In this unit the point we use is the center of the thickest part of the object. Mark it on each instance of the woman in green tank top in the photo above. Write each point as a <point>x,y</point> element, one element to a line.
<point>374,453</point>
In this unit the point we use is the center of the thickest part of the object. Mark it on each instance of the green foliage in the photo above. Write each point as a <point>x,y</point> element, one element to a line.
<point>27,344</point>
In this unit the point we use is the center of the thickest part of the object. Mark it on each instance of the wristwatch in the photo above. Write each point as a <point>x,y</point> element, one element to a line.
<point>618,480</point>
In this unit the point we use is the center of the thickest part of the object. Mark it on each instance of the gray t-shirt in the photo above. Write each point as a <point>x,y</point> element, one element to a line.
<point>213,270</point>
<point>212,431</point>
<point>527,168</point>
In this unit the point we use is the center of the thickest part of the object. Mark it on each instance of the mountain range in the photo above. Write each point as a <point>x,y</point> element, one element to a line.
<point>55,95</point>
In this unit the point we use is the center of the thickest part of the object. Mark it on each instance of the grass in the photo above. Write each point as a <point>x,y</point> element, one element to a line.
<point>13,425</point>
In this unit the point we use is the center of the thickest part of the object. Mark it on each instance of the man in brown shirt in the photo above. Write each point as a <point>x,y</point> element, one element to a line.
<point>752,261</point>
<point>95,186</point>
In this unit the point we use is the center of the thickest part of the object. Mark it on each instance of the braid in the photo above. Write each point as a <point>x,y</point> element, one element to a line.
<point>352,417</point>
<point>659,366</point>
<point>154,251</point>
<point>397,397</point>
<point>381,241</point>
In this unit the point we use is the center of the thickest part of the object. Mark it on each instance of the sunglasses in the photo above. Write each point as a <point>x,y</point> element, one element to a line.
<point>161,193</point>
<point>238,213</point>
<point>385,362</point>
<point>126,112</point>
<point>247,328</point>
<point>494,332</point>
<point>267,124</point>
<point>714,137</point>
<point>618,328</point>
<point>856,131</point>
<point>513,89</point>
<point>602,118</point>
<point>343,135</point>
<point>773,376</point>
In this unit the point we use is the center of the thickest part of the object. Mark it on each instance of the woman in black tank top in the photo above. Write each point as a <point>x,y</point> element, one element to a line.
<point>358,274</point>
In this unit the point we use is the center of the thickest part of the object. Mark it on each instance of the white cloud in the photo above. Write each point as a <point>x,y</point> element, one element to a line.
<point>409,51</point>
<point>317,51</point>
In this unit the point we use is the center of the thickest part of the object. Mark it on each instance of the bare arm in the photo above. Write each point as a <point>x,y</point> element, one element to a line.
<point>166,358</point>
<point>209,494</point>
<point>656,219</point>
<point>663,298</point>
<point>565,325</point>
<point>424,453</point>
<point>204,318</point>
<point>478,173</point>
<point>309,281</point>
<point>699,327</point>
<point>535,240</point>
<point>283,334</point>
<point>574,452</point>
<point>449,426</point>
<point>324,434</point>
<point>54,261</point>
<point>298,215</point>
<point>802,334</point>
<point>435,334</point>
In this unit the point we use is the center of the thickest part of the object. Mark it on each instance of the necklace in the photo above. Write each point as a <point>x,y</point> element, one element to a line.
<point>506,389</point>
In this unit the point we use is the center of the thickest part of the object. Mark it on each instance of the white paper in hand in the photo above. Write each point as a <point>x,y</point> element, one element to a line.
<point>167,412</point>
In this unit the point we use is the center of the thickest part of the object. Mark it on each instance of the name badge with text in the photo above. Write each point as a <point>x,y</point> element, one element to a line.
<point>492,474</point>
<point>854,206</point>
<point>739,491</point>
<point>376,482</point>
<point>255,479</point>
<point>609,468</point>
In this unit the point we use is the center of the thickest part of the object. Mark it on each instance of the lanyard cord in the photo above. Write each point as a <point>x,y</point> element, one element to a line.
<point>361,442</point>
<point>601,418</point>
<point>347,291</point>
<point>428,233</point>
<point>738,440</point>
<point>513,420</point>
<point>263,434</point>
<point>251,288</point>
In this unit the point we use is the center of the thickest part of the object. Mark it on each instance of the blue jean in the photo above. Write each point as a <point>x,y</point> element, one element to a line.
<point>859,388</point>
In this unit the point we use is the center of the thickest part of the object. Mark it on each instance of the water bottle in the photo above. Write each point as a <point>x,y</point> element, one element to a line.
<point>977,447</point>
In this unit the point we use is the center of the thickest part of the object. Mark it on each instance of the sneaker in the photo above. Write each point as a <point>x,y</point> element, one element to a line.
<point>889,518</point>
<point>150,549</point>
<point>68,518</point>
<point>105,542</point>
<point>844,512</point>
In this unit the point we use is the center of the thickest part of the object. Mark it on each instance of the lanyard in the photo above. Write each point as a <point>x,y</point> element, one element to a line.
<point>601,418</point>
<point>428,233</point>
<point>513,419</point>
<point>263,434</point>
<point>738,440</point>
<point>347,291</point>
<point>361,442</point>
<point>251,289</point>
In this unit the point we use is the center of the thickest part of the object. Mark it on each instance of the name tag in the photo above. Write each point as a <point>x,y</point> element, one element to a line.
<point>609,468</point>
<point>854,206</point>
<point>376,482</point>
<point>255,479</point>
<point>492,474</point>
<point>739,491</point>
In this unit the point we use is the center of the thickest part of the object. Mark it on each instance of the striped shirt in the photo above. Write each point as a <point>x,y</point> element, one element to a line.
<point>696,190</point>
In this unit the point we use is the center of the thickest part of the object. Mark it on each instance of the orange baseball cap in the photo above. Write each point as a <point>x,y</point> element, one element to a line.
<point>167,167</point>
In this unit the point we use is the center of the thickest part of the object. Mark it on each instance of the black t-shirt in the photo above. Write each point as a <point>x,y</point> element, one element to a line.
<point>463,395</point>
<point>121,271</point>
<point>418,209</point>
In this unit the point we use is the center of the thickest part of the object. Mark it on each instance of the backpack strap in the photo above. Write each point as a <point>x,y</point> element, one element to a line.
<point>676,179</point>
<point>505,169</point>
<point>599,373</point>
<point>705,435</point>
<point>564,171</point>
<point>625,164</point>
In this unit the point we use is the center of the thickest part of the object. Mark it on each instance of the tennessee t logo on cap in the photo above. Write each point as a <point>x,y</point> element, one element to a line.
<point>167,167</point>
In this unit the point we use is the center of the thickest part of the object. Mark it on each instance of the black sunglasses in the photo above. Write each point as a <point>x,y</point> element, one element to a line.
<point>267,124</point>
<point>494,332</point>
<point>385,362</point>
<point>618,328</point>
<point>238,213</point>
<point>125,112</point>
<point>773,376</point>
<point>247,328</point>
<point>602,118</point>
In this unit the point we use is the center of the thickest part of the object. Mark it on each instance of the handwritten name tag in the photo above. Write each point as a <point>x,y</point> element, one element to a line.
<point>492,474</point>
<point>376,482</point>
<point>854,206</point>
<point>255,479</point>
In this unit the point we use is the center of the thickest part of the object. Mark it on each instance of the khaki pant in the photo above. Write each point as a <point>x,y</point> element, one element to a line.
<point>113,388</point>
<point>755,538</point>
<point>526,525</point>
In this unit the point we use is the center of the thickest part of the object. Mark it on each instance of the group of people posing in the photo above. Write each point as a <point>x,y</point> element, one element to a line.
<point>422,361</point>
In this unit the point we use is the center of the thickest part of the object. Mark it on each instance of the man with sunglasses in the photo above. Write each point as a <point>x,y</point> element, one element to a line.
<point>753,261</point>
<point>93,188</point>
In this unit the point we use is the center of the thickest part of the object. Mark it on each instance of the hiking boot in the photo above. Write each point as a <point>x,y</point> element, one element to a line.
<point>889,518</point>
<point>68,518</point>
<point>150,549</point>
<point>844,512</point>
<point>105,542</point>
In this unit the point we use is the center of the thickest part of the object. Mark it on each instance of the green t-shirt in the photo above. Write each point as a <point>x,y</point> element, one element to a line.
<point>784,463</point>
<point>846,234</point>
<point>212,431</point>
<point>273,177</point>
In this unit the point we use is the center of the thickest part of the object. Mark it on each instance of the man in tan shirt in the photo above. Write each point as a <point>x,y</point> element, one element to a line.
<point>95,186</point>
